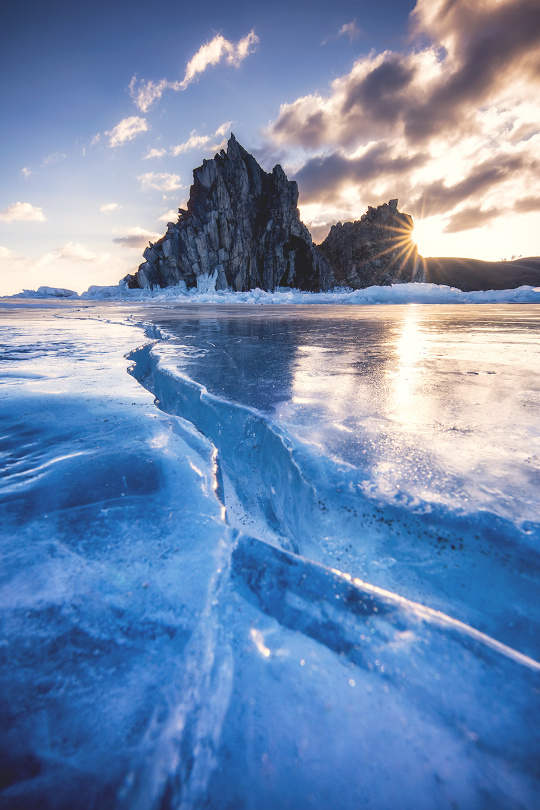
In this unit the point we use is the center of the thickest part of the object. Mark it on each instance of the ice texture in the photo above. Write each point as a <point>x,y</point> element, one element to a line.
<point>290,560</point>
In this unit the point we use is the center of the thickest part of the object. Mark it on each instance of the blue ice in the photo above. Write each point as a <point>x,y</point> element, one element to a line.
<point>289,560</point>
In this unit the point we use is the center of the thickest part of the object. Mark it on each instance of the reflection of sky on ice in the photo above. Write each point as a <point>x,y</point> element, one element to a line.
<point>438,404</point>
<point>426,406</point>
<point>393,410</point>
<point>152,658</point>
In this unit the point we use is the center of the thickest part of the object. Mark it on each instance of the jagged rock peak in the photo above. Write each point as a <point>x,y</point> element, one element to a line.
<point>241,230</point>
<point>377,249</point>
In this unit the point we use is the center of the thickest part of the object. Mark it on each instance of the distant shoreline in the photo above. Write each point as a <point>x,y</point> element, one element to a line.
<point>474,274</point>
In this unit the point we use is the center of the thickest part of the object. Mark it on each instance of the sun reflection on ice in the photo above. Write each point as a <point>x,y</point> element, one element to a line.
<point>407,400</point>
<point>323,379</point>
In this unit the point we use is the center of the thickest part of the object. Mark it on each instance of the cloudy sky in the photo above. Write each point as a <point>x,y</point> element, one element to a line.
<point>108,106</point>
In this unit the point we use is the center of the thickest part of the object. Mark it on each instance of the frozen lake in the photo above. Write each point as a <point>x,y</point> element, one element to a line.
<point>308,578</point>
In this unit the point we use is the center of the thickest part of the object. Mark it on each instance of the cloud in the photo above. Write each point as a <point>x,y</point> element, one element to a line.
<point>74,252</point>
<point>477,50</point>
<point>26,171</point>
<point>325,175</point>
<point>223,129</point>
<point>380,92</point>
<point>146,93</point>
<point>487,44</point>
<point>350,30</point>
<point>67,265</point>
<point>524,130</point>
<point>450,124</point>
<point>108,208</point>
<point>126,130</point>
<point>54,157</point>
<point>160,182</point>
<point>6,253</point>
<point>319,232</point>
<point>138,242</point>
<point>169,216</point>
<point>365,104</point>
<point>155,153</point>
<point>527,204</point>
<point>193,142</point>
<point>22,212</point>
<point>196,141</point>
<point>136,238</point>
<point>437,197</point>
<point>217,50</point>
<point>469,218</point>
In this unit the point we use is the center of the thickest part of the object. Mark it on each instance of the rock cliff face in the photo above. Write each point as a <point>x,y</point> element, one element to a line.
<point>377,249</point>
<point>241,230</point>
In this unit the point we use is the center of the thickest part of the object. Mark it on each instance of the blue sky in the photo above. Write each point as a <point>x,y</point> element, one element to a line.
<point>108,107</point>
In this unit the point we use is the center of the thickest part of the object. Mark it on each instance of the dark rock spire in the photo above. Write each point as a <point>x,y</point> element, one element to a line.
<point>241,230</point>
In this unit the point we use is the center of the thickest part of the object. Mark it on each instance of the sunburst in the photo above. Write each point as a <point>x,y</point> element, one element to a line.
<point>401,244</point>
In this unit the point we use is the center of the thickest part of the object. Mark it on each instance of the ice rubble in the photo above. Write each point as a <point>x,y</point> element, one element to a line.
<point>155,656</point>
<point>49,292</point>
<point>408,293</point>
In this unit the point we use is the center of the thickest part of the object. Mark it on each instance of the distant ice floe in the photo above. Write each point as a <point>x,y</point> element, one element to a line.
<point>48,292</point>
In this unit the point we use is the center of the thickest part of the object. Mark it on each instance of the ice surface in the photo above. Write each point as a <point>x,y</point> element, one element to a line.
<point>308,578</point>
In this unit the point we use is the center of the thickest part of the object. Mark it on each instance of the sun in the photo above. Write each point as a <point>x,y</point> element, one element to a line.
<point>400,246</point>
<point>426,234</point>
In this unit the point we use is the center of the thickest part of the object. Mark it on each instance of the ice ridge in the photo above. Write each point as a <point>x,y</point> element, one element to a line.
<point>336,609</point>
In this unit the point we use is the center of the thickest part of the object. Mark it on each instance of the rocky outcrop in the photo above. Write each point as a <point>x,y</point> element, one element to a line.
<point>241,230</point>
<point>375,250</point>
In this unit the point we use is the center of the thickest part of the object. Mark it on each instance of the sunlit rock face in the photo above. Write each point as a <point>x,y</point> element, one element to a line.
<point>376,249</point>
<point>241,230</point>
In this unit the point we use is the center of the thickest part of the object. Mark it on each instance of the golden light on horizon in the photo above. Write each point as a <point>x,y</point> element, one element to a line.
<point>518,237</point>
